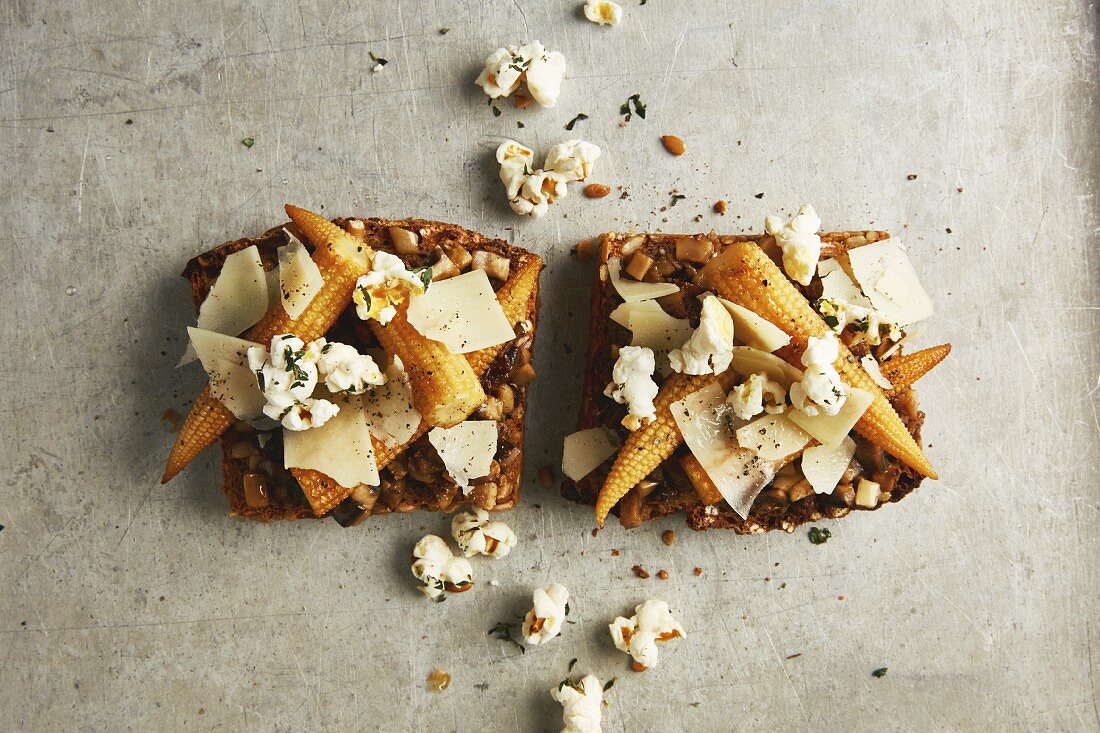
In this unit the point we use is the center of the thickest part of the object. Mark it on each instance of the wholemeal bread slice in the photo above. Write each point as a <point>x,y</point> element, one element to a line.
<point>668,489</point>
<point>254,480</point>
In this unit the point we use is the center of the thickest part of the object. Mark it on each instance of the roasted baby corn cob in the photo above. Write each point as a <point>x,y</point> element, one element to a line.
<point>514,296</point>
<point>905,369</point>
<point>648,446</point>
<point>444,387</point>
<point>745,275</point>
<point>341,259</point>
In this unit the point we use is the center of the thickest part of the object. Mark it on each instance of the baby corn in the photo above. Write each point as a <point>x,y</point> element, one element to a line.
<point>341,259</point>
<point>648,446</point>
<point>744,275</point>
<point>905,369</point>
<point>444,387</point>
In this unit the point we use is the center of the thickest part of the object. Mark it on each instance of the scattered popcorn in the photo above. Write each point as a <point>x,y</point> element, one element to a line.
<point>632,385</point>
<point>709,350</point>
<point>639,635</point>
<point>746,400</point>
<point>582,701</point>
<point>345,369</point>
<point>438,569</point>
<point>544,621</point>
<point>799,241</point>
<point>507,68</point>
<point>531,190</point>
<point>603,12</point>
<point>387,284</point>
<point>820,389</point>
<point>477,535</point>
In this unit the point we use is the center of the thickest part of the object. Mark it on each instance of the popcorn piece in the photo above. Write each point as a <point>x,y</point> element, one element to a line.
<point>639,635</point>
<point>603,12</point>
<point>632,385</point>
<point>747,399</point>
<point>821,389</point>
<point>582,701</point>
<point>388,283</point>
<point>507,68</point>
<point>709,350</point>
<point>477,535</point>
<point>799,241</point>
<point>544,621</point>
<point>438,569</point>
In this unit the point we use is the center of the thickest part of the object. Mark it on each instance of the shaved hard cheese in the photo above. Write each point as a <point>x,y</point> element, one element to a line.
<point>650,326</point>
<point>772,437</point>
<point>633,291</point>
<point>837,286</point>
<point>389,407</point>
<point>237,300</point>
<point>890,282</point>
<point>225,359</point>
<point>748,361</point>
<point>466,450</point>
<point>738,473</point>
<point>871,366</point>
<point>462,313</point>
<point>832,429</point>
<point>341,448</point>
<point>274,292</point>
<point>299,277</point>
<point>823,465</point>
<point>754,331</point>
<point>585,450</point>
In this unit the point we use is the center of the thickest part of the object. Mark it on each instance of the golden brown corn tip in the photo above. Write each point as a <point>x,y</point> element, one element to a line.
<point>323,493</point>
<point>905,369</point>
<point>514,296</point>
<point>648,446</point>
<point>744,275</point>
<point>341,259</point>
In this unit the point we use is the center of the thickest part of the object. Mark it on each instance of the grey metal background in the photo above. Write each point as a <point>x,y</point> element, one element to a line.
<point>127,605</point>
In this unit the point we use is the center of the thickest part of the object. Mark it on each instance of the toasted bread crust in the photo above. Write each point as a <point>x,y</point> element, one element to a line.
<point>676,493</point>
<point>285,499</point>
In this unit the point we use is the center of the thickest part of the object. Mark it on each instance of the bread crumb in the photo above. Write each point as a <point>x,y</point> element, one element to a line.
<point>662,574</point>
<point>668,537</point>
<point>640,572</point>
<point>720,207</point>
<point>698,572</point>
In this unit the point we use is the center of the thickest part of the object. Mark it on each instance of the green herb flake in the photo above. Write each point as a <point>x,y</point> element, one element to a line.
<point>248,142</point>
<point>569,125</point>
<point>519,124</point>
<point>638,107</point>
<point>880,672</point>
<point>503,631</point>
<point>819,536</point>
<point>444,31</point>
<point>425,275</point>
<point>377,59</point>
<point>496,112</point>
<point>572,662</point>
<point>677,198</point>
<point>609,684</point>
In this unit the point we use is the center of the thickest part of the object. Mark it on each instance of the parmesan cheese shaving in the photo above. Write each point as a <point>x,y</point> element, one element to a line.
<point>889,281</point>
<point>237,300</point>
<point>225,359</point>
<point>299,277</point>
<point>823,465</point>
<point>341,448</point>
<point>772,437</point>
<point>748,361</point>
<point>754,331</point>
<point>466,450</point>
<point>585,450</point>
<point>832,429</point>
<point>462,313</point>
<point>389,408</point>
<point>706,425</point>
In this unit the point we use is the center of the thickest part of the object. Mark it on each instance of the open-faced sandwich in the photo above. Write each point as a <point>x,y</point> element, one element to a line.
<point>756,382</point>
<point>362,366</point>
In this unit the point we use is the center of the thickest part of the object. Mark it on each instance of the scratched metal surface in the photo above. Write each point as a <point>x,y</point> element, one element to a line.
<point>127,605</point>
